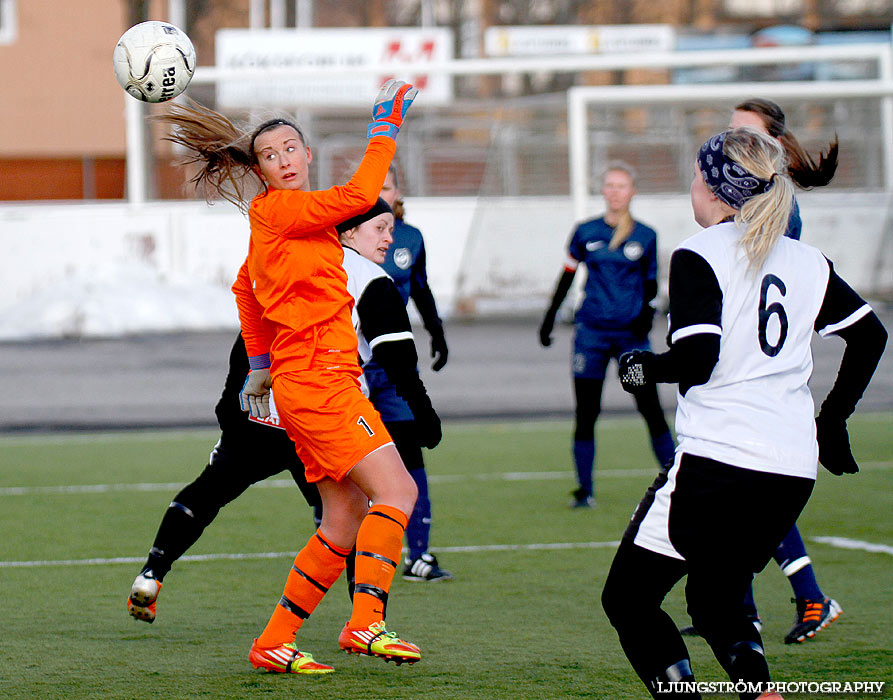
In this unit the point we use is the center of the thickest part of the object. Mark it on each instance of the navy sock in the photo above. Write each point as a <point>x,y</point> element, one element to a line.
<point>791,556</point>
<point>584,460</point>
<point>804,584</point>
<point>419,528</point>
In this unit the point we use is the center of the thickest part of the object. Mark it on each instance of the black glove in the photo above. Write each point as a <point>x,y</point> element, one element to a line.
<point>439,349</point>
<point>641,325</point>
<point>427,422</point>
<point>834,445</point>
<point>546,330</point>
<point>636,370</point>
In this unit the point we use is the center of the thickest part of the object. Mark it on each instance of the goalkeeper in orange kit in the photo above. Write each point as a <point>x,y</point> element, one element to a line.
<point>295,313</point>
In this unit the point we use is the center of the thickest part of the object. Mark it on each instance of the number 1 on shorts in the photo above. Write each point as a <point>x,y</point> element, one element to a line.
<point>362,423</point>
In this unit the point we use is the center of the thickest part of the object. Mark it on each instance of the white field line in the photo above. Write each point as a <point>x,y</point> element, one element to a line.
<point>847,543</point>
<point>277,555</point>
<point>457,426</point>
<point>841,542</point>
<point>288,483</point>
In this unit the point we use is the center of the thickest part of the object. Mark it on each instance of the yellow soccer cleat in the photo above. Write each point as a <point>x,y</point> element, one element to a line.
<point>375,640</point>
<point>285,658</point>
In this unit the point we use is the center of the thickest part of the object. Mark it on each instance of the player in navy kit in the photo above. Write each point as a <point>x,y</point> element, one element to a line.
<point>620,255</point>
<point>768,117</point>
<point>405,262</point>
<point>744,302</point>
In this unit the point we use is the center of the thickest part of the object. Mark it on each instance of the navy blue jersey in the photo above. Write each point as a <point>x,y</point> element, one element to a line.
<point>405,260</point>
<point>615,283</point>
<point>795,224</point>
<point>406,264</point>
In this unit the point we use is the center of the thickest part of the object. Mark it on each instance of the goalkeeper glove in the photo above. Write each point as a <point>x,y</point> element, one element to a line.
<point>546,330</point>
<point>439,349</point>
<point>835,453</point>
<point>255,396</point>
<point>390,107</point>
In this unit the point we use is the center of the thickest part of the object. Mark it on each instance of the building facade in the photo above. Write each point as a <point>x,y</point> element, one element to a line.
<point>62,127</point>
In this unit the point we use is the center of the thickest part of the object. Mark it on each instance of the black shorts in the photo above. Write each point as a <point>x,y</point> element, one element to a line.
<point>699,508</point>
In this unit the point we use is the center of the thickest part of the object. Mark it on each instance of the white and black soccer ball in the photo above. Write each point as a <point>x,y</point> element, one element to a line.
<point>154,61</point>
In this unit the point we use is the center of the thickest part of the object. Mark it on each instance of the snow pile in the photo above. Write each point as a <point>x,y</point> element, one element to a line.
<point>119,300</point>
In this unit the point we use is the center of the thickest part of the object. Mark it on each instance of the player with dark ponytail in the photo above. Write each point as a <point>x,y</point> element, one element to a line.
<point>802,168</point>
<point>766,116</point>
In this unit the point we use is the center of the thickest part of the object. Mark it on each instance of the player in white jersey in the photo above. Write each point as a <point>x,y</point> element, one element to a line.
<point>744,302</point>
<point>380,319</point>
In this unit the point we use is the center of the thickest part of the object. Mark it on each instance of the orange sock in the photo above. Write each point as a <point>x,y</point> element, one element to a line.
<point>316,568</point>
<point>379,545</point>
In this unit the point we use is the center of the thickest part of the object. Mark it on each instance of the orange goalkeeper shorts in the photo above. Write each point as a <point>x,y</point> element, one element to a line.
<point>331,423</point>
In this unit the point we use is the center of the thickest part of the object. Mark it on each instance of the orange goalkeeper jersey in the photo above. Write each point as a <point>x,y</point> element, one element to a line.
<point>292,290</point>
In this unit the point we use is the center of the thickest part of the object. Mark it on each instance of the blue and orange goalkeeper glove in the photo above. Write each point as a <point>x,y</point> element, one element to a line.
<point>390,107</point>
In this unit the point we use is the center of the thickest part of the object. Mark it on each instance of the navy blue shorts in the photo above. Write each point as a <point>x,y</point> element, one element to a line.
<point>594,348</point>
<point>383,395</point>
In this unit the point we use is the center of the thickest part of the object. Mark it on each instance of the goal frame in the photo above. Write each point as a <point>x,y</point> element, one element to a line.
<point>578,97</point>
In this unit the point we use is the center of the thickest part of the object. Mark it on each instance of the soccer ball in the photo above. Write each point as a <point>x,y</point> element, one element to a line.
<point>154,61</point>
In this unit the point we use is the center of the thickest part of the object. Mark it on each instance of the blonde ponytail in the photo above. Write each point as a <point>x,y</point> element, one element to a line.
<point>622,231</point>
<point>765,216</point>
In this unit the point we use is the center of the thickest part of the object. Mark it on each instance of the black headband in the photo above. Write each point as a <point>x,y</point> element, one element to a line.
<point>273,123</point>
<point>380,207</point>
<point>728,180</point>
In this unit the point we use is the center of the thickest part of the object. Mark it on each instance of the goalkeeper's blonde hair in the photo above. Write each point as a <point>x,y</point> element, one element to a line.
<point>626,224</point>
<point>765,216</point>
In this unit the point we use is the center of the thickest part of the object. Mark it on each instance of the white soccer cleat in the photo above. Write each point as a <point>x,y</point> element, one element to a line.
<point>143,595</point>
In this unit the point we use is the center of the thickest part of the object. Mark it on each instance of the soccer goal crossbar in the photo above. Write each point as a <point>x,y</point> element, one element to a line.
<point>580,97</point>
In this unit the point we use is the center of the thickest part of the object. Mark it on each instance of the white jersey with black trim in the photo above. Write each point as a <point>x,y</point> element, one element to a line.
<point>756,410</point>
<point>364,279</point>
<point>360,272</point>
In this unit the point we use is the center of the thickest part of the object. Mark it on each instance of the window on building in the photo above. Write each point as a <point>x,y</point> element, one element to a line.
<point>860,7</point>
<point>8,28</point>
<point>762,8</point>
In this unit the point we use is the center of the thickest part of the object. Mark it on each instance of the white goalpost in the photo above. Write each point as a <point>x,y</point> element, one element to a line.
<point>136,146</point>
<point>579,98</point>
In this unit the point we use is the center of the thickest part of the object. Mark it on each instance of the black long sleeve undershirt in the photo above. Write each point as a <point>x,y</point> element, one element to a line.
<point>865,342</point>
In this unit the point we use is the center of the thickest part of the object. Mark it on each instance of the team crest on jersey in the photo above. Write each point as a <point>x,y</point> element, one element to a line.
<point>402,258</point>
<point>633,250</point>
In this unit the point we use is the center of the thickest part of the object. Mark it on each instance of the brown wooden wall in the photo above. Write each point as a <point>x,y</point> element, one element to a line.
<point>61,178</point>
